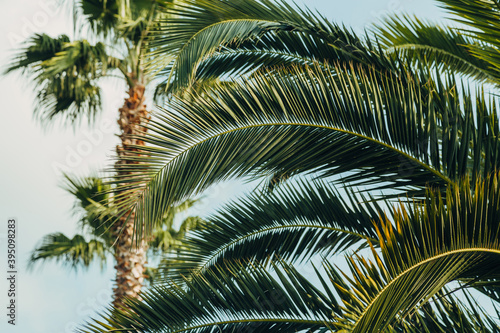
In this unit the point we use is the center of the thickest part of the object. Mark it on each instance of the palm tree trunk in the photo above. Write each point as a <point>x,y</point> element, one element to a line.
<point>130,259</point>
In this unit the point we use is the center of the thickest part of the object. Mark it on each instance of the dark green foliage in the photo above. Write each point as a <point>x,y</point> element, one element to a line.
<point>341,118</point>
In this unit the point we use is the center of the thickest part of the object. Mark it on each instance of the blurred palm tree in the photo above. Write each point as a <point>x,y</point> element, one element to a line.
<point>66,75</point>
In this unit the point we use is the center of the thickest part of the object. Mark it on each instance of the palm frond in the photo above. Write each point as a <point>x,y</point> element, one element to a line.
<point>243,299</point>
<point>39,48</point>
<point>446,313</point>
<point>165,240</point>
<point>167,237</point>
<point>374,129</point>
<point>482,18</point>
<point>443,47</point>
<point>74,252</point>
<point>93,205</point>
<point>490,288</point>
<point>169,216</point>
<point>447,239</point>
<point>65,75</point>
<point>195,31</point>
<point>426,246</point>
<point>293,223</point>
<point>102,16</point>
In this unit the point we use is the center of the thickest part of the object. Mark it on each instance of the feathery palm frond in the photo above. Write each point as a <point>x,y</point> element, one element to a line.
<point>75,252</point>
<point>446,313</point>
<point>65,75</point>
<point>254,297</point>
<point>425,247</point>
<point>482,18</point>
<point>490,288</point>
<point>373,129</point>
<point>295,222</point>
<point>246,35</point>
<point>444,47</point>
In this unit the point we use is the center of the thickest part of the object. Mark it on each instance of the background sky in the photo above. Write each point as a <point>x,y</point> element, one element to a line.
<point>52,298</point>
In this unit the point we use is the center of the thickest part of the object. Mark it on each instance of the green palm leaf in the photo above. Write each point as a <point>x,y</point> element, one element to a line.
<point>257,301</point>
<point>447,313</point>
<point>167,239</point>
<point>410,38</point>
<point>261,32</point>
<point>41,47</point>
<point>93,205</point>
<point>489,288</point>
<point>295,222</point>
<point>92,209</point>
<point>74,252</point>
<point>374,129</point>
<point>483,20</point>
<point>449,238</point>
<point>65,74</point>
<point>102,16</point>
<point>278,50</point>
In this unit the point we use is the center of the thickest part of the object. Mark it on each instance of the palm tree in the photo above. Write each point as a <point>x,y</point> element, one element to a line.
<point>67,74</point>
<point>384,163</point>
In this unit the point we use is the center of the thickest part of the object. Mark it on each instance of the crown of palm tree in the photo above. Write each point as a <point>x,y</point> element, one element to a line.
<point>67,74</point>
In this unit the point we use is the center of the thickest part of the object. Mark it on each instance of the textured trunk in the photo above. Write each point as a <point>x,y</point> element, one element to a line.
<point>130,260</point>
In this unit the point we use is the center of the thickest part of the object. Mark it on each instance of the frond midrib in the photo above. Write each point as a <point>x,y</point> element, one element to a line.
<point>383,144</point>
<point>274,52</point>
<point>423,262</point>
<point>405,46</point>
<point>261,231</point>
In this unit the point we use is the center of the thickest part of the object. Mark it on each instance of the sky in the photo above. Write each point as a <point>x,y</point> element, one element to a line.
<point>53,298</point>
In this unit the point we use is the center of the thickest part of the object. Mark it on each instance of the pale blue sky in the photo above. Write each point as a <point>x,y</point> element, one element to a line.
<point>54,299</point>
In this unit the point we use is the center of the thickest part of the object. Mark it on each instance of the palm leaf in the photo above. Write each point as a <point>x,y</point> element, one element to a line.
<point>165,240</point>
<point>483,20</point>
<point>446,313</point>
<point>39,48</point>
<point>490,288</point>
<point>74,252</point>
<point>294,223</point>
<point>65,74</point>
<point>256,300</point>
<point>443,47</point>
<point>376,130</point>
<point>101,15</point>
<point>93,205</point>
<point>449,238</point>
<point>196,31</point>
